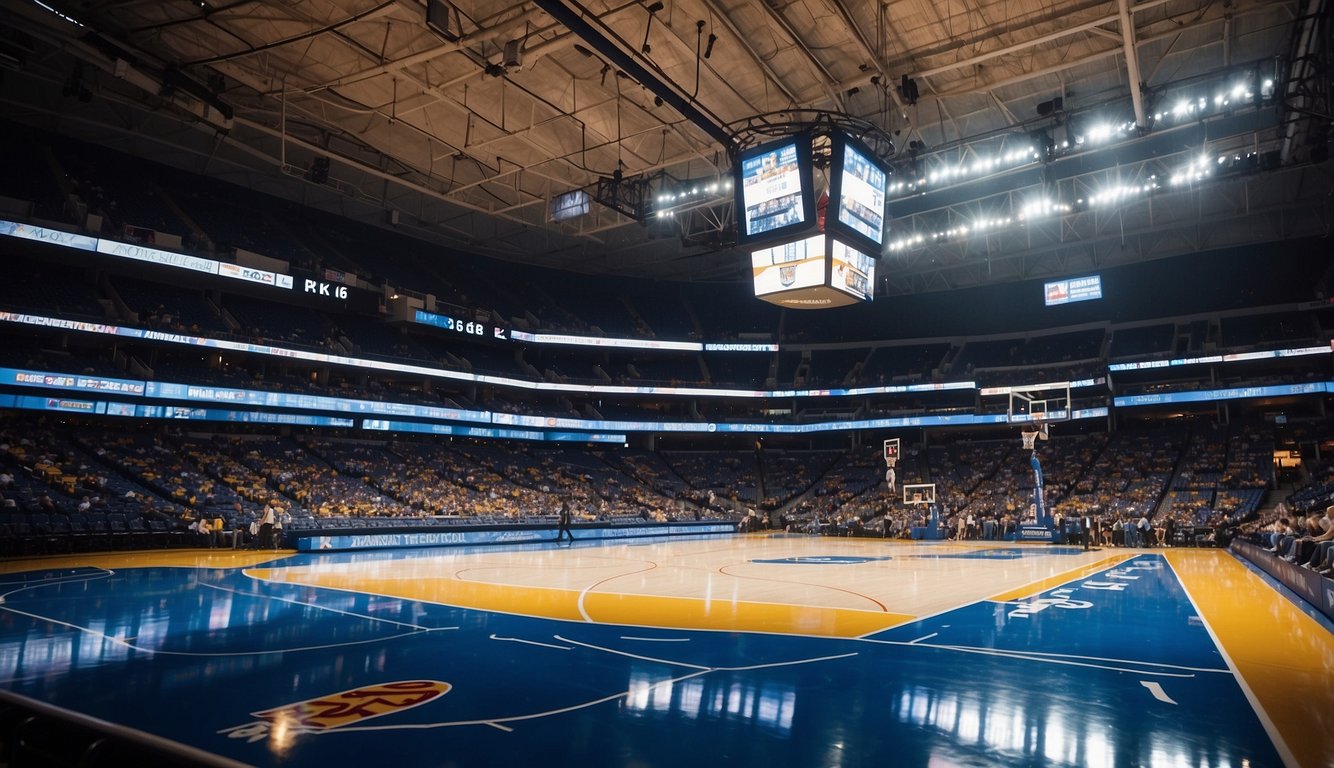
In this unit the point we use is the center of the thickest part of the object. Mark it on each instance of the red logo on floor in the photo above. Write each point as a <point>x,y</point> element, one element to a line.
<point>338,710</point>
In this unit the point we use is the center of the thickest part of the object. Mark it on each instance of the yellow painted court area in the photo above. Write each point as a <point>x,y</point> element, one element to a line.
<point>753,584</point>
<point>604,608</point>
<point>1283,655</point>
<point>171,558</point>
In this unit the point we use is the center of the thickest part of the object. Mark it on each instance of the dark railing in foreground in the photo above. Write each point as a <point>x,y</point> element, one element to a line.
<point>34,733</point>
<point>1312,587</point>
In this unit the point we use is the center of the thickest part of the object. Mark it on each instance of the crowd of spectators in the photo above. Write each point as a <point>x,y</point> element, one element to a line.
<point>1160,486</point>
<point>1137,486</point>
<point>1304,538</point>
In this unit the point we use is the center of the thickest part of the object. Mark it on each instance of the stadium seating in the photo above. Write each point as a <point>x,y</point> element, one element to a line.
<point>146,483</point>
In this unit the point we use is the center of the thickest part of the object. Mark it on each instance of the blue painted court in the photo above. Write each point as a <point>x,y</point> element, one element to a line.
<point>1115,666</point>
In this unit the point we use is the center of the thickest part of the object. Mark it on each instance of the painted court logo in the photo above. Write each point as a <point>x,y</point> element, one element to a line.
<point>326,713</point>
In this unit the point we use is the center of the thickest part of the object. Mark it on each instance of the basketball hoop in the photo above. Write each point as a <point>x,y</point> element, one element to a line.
<point>1031,437</point>
<point>891,452</point>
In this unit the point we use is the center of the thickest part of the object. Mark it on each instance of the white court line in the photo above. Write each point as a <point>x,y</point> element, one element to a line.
<point>583,593</point>
<point>495,722</point>
<point>580,604</point>
<point>500,727</point>
<point>106,574</point>
<point>1280,746</point>
<point>1048,654</point>
<point>1131,665</point>
<point>530,642</point>
<point>198,654</point>
<point>657,639</point>
<point>772,665</point>
<point>769,665</point>
<point>923,637</point>
<point>51,579</point>
<point>323,608</point>
<point>635,655</point>
<point>1157,690</point>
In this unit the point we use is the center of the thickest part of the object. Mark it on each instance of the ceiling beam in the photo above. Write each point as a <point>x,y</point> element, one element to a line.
<point>825,77</point>
<point>380,10</point>
<point>973,61</point>
<point>718,13</point>
<point>602,39</point>
<point>500,26</point>
<point>868,51</point>
<point>1067,64</point>
<point>1132,64</point>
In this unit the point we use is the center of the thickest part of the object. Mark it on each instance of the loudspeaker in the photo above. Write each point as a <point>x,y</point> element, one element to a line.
<point>514,55</point>
<point>319,170</point>
<point>443,19</point>
<point>1047,107</point>
<point>908,90</point>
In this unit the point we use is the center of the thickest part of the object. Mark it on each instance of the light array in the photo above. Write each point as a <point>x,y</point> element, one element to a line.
<point>1031,211</point>
<point>693,191</point>
<point>1239,93</point>
<point>1101,133</point>
<point>1118,192</point>
<point>1080,132</point>
<point>947,172</point>
<point>1035,209</point>
<point>1198,168</point>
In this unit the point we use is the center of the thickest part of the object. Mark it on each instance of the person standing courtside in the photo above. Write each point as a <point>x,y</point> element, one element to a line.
<point>266,527</point>
<point>563,523</point>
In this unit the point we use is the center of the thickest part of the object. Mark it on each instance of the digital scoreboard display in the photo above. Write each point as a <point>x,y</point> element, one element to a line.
<point>858,184</point>
<point>851,271</point>
<point>799,260</point>
<point>774,190</point>
<point>789,266</point>
<point>814,272</point>
<point>1072,290</point>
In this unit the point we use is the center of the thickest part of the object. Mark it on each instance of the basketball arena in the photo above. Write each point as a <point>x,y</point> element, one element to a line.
<point>777,383</point>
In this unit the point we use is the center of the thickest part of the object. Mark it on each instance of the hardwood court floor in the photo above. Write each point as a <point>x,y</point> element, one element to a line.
<point>749,650</point>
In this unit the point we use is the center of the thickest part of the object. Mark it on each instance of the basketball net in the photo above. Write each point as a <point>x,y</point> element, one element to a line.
<point>1031,438</point>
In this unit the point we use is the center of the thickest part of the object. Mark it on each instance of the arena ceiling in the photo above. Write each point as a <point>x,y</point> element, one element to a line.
<point>463,131</point>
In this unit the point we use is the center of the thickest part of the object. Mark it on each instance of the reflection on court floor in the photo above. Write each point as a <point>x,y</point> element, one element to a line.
<point>734,651</point>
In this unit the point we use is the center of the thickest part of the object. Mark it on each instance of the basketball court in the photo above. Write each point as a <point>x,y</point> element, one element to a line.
<point>739,650</point>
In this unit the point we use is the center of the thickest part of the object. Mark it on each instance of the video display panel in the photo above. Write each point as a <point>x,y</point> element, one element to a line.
<point>570,205</point>
<point>858,184</point>
<point>774,190</point>
<point>851,271</point>
<point>1072,290</point>
<point>790,266</point>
